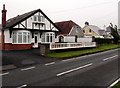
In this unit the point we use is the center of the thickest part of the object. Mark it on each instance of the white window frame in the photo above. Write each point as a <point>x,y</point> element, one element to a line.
<point>48,35</point>
<point>28,38</point>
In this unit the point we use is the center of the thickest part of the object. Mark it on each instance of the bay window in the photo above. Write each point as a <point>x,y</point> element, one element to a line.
<point>21,37</point>
<point>48,37</point>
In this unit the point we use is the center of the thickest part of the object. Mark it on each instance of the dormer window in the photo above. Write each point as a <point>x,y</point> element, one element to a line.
<point>38,18</point>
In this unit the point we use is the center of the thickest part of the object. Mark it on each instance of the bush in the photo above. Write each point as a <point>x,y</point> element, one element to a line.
<point>103,41</point>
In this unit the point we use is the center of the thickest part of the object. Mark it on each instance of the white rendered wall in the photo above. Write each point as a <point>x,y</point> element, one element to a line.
<point>69,39</point>
<point>7,36</point>
<point>84,39</point>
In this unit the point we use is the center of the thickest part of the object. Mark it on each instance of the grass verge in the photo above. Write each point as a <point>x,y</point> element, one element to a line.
<point>117,85</point>
<point>70,54</point>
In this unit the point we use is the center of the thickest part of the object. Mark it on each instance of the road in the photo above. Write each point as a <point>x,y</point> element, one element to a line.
<point>100,69</point>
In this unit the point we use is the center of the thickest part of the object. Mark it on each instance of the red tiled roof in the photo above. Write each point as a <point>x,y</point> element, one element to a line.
<point>65,26</point>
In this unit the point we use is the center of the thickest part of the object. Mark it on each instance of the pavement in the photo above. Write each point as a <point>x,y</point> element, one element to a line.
<point>96,70</point>
<point>23,58</point>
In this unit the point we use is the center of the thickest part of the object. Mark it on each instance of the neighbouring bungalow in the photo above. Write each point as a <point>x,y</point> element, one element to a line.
<point>71,36</point>
<point>27,31</point>
<point>91,30</point>
<point>70,32</point>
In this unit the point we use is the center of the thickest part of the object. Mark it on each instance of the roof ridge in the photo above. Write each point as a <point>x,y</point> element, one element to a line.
<point>64,21</point>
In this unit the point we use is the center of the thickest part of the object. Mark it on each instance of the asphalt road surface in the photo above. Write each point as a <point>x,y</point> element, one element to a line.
<point>100,69</point>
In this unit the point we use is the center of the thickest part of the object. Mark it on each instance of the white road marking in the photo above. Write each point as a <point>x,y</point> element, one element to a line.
<point>27,68</point>
<point>50,63</point>
<point>110,58</point>
<point>68,59</point>
<point>114,83</point>
<point>22,86</point>
<point>75,58</point>
<point>74,69</point>
<point>4,74</point>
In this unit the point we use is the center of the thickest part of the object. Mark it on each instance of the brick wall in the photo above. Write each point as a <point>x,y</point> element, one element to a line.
<point>10,46</point>
<point>17,46</point>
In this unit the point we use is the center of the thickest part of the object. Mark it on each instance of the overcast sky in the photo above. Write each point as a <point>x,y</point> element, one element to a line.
<point>96,12</point>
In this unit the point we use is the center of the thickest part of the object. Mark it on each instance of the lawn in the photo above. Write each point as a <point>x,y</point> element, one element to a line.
<point>70,54</point>
<point>117,85</point>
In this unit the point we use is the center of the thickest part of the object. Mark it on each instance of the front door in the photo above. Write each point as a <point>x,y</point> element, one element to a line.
<point>35,41</point>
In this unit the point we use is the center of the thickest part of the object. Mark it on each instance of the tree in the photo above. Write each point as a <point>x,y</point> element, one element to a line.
<point>114,33</point>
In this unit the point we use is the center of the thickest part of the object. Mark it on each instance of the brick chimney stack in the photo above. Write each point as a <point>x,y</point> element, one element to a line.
<point>4,16</point>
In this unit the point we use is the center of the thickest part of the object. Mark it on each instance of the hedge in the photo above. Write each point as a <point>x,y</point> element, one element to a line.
<point>103,41</point>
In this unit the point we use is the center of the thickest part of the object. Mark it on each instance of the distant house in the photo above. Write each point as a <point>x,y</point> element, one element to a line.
<point>69,31</point>
<point>91,30</point>
<point>27,31</point>
<point>119,31</point>
<point>108,31</point>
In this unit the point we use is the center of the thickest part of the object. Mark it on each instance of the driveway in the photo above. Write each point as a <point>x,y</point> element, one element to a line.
<point>22,58</point>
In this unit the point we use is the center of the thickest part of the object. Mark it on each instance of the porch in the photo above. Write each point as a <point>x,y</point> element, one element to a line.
<point>58,46</point>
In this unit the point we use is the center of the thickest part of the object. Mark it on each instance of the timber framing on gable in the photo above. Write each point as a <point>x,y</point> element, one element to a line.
<point>20,18</point>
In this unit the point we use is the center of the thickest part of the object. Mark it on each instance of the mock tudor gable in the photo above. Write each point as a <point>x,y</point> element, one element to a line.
<point>35,20</point>
<point>28,31</point>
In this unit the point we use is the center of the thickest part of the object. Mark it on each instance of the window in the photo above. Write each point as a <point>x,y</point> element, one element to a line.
<point>83,31</point>
<point>21,37</point>
<point>35,18</point>
<point>14,37</point>
<point>48,37</point>
<point>39,18</point>
<point>90,31</point>
<point>24,37</point>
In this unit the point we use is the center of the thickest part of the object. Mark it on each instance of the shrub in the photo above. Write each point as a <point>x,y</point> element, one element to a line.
<point>103,41</point>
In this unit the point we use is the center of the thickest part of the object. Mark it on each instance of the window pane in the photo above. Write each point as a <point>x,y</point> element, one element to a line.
<point>35,18</point>
<point>43,37</point>
<point>28,37</point>
<point>24,37</point>
<point>19,37</point>
<point>47,38</point>
<point>51,38</point>
<point>14,37</point>
<point>39,19</point>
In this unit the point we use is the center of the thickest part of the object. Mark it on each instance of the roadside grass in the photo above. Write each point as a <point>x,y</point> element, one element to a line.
<point>117,85</point>
<point>71,54</point>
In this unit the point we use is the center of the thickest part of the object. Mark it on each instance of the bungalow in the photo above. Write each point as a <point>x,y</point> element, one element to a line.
<point>91,30</point>
<point>69,31</point>
<point>26,31</point>
<point>71,36</point>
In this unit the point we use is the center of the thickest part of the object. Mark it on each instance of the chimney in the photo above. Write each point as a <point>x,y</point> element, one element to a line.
<point>86,23</point>
<point>4,16</point>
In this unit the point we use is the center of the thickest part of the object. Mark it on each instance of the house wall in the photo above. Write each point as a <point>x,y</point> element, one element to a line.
<point>0,36</point>
<point>7,36</point>
<point>87,33</point>
<point>69,39</point>
<point>10,46</point>
<point>0,40</point>
<point>89,39</point>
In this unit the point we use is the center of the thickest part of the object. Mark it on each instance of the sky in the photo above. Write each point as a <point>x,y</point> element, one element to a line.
<point>96,12</point>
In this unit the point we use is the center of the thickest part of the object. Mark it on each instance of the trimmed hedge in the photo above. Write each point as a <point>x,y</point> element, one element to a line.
<point>103,41</point>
